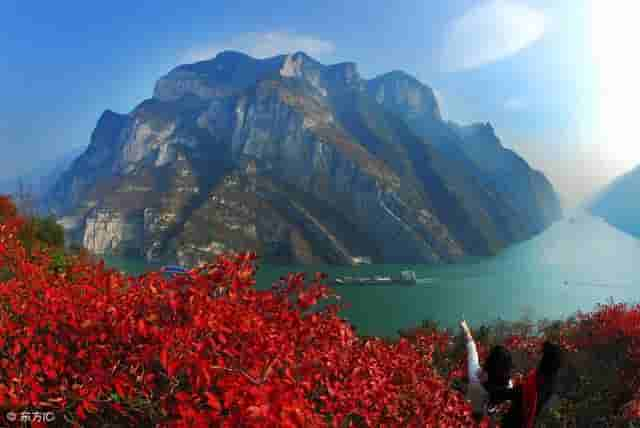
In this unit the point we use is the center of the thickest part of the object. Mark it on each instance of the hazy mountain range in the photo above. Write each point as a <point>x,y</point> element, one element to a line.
<point>301,162</point>
<point>39,180</point>
<point>619,203</point>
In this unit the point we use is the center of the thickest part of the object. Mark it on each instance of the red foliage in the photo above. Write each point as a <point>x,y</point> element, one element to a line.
<point>616,328</point>
<point>202,349</point>
<point>208,349</point>
<point>7,207</point>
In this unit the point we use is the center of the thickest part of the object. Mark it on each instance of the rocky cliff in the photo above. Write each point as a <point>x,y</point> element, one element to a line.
<point>489,178</point>
<point>297,160</point>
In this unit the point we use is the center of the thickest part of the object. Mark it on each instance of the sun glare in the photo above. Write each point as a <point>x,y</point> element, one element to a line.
<point>615,32</point>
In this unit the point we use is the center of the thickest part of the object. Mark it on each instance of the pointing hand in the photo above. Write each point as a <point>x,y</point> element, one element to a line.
<point>465,327</point>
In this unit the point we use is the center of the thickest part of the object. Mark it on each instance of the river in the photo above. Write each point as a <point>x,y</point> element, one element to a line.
<point>573,265</point>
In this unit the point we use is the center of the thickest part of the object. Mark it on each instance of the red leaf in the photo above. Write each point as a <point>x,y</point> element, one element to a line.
<point>213,401</point>
<point>182,396</point>
<point>142,327</point>
<point>164,358</point>
<point>119,387</point>
<point>171,369</point>
<point>80,412</point>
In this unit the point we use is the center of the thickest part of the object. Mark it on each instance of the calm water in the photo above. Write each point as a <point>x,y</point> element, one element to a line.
<point>571,266</point>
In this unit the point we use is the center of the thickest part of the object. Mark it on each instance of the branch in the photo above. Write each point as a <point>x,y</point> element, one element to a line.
<point>253,380</point>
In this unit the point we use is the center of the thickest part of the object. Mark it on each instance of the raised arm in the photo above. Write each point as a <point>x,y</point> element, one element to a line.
<point>473,363</point>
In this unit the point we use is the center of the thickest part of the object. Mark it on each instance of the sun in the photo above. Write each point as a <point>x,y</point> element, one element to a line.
<point>614,34</point>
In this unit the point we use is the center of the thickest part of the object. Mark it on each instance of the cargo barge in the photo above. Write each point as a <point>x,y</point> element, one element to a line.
<point>406,277</point>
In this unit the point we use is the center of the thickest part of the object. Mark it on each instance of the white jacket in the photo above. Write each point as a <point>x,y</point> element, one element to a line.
<point>477,395</point>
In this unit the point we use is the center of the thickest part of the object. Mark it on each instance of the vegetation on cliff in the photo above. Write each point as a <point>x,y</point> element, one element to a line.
<point>99,348</point>
<point>373,155</point>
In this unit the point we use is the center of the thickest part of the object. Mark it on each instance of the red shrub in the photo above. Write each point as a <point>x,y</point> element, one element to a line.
<point>97,346</point>
<point>208,349</point>
<point>7,207</point>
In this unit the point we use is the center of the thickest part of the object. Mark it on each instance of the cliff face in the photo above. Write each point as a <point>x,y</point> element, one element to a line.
<point>299,161</point>
<point>515,201</point>
<point>528,191</point>
<point>107,231</point>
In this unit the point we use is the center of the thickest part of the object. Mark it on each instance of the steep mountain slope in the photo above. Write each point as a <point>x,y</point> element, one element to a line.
<point>487,177</point>
<point>527,190</point>
<point>618,204</point>
<point>285,156</point>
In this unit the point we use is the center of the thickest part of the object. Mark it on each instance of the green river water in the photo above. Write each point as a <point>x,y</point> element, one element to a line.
<point>572,266</point>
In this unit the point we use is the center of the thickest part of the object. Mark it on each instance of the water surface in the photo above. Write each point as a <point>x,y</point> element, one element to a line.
<point>573,265</point>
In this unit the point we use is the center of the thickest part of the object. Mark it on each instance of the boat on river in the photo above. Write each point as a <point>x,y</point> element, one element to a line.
<point>170,271</point>
<point>406,277</point>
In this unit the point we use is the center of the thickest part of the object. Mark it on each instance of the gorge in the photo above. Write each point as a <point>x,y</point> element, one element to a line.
<point>303,163</point>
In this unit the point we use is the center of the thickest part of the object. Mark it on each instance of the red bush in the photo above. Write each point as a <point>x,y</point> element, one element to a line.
<point>204,349</point>
<point>208,349</point>
<point>7,207</point>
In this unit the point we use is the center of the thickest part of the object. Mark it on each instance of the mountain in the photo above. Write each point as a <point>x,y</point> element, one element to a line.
<point>485,175</point>
<point>618,203</point>
<point>301,162</point>
<point>40,180</point>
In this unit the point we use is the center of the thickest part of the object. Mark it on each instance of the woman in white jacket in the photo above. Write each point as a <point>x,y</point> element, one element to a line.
<point>492,385</point>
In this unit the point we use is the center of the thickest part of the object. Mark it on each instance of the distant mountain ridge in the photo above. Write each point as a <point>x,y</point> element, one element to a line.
<point>40,179</point>
<point>618,203</point>
<point>301,162</point>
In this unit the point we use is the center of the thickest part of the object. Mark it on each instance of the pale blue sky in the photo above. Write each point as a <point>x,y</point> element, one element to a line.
<point>525,66</point>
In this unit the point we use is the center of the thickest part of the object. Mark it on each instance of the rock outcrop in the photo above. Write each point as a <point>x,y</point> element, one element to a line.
<point>302,162</point>
<point>106,231</point>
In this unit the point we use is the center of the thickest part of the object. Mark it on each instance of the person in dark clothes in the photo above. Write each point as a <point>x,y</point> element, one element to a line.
<point>489,385</point>
<point>537,392</point>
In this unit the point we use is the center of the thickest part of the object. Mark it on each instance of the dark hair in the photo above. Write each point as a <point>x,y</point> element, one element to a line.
<point>551,361</point>
<point>548,367</point>
<point>498,366</point>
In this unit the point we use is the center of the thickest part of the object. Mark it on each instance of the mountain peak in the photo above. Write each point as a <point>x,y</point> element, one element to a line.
<point>231,54</point>
<point>398,91</point>
<point>344,66</point>
<point>297,63</point>
<point>345,75</point>
<point>223,60</point>
<point>300,55</point>
<point>109,117</point>
<point>353,166</point>
<point>475,130</point>
<point>399,74</point>
<point>108,112</point>
<point>484,129</point>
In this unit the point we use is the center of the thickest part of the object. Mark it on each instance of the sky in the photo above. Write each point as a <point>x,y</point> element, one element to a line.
<point>545,73</point>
